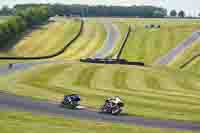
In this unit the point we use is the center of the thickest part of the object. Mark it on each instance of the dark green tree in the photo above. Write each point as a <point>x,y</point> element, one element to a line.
<point>24,18</point>
<point>181,14</point>
<point>159,14</point>
<point>6,11</point>
<point>173,13</point>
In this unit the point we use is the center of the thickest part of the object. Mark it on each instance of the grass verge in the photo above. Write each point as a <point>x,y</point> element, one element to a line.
<point>47,40</point>
<point>88,43</point>
<point>21,122</point>
<point>186,55</point>
<point>123,28</point>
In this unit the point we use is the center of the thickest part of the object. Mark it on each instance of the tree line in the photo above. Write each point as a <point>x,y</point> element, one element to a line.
<point>174,13</point>
<point>23,20</point>
<point>93,11</point>
<point>25,16</point>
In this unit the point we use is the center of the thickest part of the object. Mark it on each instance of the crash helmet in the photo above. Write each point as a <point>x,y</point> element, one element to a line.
<point>75,97</point>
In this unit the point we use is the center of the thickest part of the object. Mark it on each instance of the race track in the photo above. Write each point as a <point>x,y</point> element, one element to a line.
<point>113,34</point>
<point>166,59</point>
<point>8,101</point>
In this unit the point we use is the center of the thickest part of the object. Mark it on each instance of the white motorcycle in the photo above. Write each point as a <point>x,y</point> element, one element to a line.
<point>112,106</point>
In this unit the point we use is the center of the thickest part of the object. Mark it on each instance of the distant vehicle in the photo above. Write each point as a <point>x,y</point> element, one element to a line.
<point>71,101</point>
<point>112,106</point>
<point>157,26</point>
<point>153,26</point>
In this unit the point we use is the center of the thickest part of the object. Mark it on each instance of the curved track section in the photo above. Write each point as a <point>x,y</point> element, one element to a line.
<point>177,50</point>
<point>25,104</point>
<point>113,34</point>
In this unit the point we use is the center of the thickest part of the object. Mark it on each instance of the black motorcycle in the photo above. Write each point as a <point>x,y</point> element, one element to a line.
<point>71,101</point>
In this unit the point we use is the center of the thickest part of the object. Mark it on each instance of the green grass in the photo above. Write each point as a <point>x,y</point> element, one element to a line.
<point>148,45</point>
<point>43,41</point>
<point>123,28</point>
<point>46,40</point>
<point>54,36</point>
<point>194,66</point>
<point>186,55</point>
<point>16,122</point>
<point>4,18</point>
<point>88,43</point>
<point>159,93</point>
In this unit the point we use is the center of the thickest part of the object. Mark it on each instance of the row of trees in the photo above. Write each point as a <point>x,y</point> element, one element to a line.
<point>22,20</point>
<point>91,11</point>
<point>33,15</point>
<point>6,11</point>
<point>180,14</point>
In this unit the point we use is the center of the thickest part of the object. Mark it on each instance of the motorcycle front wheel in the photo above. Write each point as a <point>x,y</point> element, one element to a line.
<point>116,111</point>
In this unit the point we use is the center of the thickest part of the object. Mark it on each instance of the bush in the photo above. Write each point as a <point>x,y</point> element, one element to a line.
<point>23,20</point>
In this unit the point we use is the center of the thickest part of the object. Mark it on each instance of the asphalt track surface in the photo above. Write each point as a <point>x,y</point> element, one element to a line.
<point>5,70</point>
<point>166,59</point>
<point>8,101</point>
<point>113,34</point>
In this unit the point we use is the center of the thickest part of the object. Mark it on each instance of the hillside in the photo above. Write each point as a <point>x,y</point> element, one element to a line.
<point>91,39</point>
<point>12,121</point>
<point>186,56</point>
<point>45,40</point>
<point>157,92</point>
<point>148,45</point>
<point>150,92</point>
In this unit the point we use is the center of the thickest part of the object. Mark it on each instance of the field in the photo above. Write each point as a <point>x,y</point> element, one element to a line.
<point>53,37</point>
<point>3,18</point>
<point>194,66</point>
<point>151,92</point>
<point>148,45</point>
<point>158,92</point>
<point>43,41</point>
<point>123,31</point>
<point>88,43</point>
<point>187,55</point>
<point>26,122</point>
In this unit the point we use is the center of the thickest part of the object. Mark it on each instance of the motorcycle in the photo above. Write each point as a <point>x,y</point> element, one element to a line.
<point>112,106</point>
<point>71,101</point>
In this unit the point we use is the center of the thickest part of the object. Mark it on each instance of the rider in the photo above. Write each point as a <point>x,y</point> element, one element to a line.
<point>114,101</point>
<point>72,98</point>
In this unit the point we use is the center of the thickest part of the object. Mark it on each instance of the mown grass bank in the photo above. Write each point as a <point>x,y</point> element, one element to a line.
<point>12,121</point>
<point>91,39</point>
<point>46,40</point>
<point>187,55</point>
<point>123,28</point>
<point>150,92</point>
<point>54,36</point>
<point>148,45</point>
